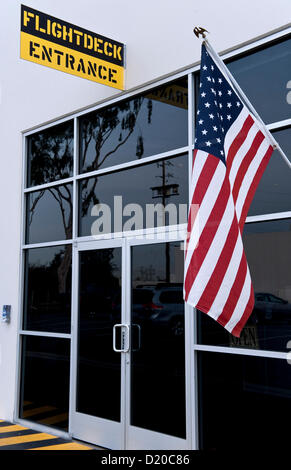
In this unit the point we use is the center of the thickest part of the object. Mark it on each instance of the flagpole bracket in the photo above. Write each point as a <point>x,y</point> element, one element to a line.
<point>199,30</point>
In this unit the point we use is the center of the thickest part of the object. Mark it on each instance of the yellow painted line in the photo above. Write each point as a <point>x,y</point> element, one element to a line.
<point>54,419</point>
<point>27,403</point>
<point>29,438</point>
<point>67,446</point>
<point>36,411</point>
<point>11,428</point>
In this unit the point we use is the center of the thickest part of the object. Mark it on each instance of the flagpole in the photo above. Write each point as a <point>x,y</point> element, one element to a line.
<point>221,65</point>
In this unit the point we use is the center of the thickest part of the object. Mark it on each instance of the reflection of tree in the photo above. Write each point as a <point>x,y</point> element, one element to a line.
<point>97,129</point>
<point>51,159</point>
<point>51,154</point>
<point>44,284</point>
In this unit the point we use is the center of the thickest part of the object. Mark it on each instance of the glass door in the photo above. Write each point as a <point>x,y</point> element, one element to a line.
<point>102,340</point>
<point>129,353</point>
<point>156,405</point>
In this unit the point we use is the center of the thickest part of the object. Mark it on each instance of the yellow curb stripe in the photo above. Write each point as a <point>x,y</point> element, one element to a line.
<point>54,419</point>
<point>36,411</point>
<point>67,446</point>
<point>28,438</point>
<point>12,428</point>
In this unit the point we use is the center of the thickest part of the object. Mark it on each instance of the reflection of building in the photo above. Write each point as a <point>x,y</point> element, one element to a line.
<point>165,191</point>
<point>73,294</point>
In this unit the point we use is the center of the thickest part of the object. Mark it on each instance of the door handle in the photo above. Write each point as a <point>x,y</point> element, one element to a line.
<point>124,338</point>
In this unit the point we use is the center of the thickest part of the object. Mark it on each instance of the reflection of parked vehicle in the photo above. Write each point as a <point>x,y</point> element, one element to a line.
<point>270,307</point>
<point>156,306</point>
<point>169,308</point>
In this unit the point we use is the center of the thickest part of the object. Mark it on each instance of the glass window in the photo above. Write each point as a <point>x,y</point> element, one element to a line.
<point>283,137</point>
<point>274,191</point>
<point>145,125</point>
<point>268,251</point>
<point>158,347</point>
<point>50,154</point>
<point>44,396</point>
<point>243,401</point>
<point>163,182</point>
<point>47,299</point>
<point>49,214</point>
<point>263,76</point>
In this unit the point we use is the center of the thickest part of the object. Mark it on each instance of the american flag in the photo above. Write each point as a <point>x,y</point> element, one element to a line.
<point>231,152</point>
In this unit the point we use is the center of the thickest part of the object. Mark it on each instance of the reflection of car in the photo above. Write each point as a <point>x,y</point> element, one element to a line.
<point>156,306</point>
<point>168,309</point>
<point>270,307</point>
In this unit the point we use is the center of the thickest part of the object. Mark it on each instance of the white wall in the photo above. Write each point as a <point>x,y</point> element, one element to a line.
<point>159,39</point>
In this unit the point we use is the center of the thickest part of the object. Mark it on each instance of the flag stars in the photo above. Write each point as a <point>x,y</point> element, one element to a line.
<point>218,108</point>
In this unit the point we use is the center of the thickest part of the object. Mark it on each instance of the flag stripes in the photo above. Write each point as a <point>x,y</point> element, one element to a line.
<point>217,279</point>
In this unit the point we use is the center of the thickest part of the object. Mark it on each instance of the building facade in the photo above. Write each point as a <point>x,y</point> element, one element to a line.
<point>100,345</point>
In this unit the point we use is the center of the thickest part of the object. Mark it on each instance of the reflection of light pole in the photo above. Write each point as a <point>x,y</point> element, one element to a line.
<point>165,191</point>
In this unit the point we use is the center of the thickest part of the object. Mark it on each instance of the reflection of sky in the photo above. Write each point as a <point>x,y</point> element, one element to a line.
<point>283,137</point>
<point>274,190</point>
<point>149,263</point>
<point>168,130</point>
<point>263,77</point>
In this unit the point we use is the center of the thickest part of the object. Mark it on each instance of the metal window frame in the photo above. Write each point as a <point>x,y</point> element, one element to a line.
<point>193,347</point>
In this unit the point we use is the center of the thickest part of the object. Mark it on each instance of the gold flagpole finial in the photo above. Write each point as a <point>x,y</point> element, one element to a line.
<point>199,30</point>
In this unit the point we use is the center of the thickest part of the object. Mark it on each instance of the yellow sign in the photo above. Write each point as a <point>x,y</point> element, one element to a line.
<point>63,46</point>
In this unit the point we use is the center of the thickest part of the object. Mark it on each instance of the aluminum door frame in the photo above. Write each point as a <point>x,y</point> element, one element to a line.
<point>138,438</point>
<point>98,431</point>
